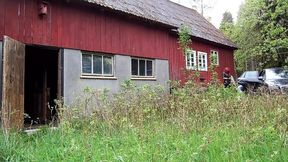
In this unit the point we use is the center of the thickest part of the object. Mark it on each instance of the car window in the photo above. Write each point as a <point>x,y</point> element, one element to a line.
<point>251,74</point>
<point>277,73</point>
<point>262,74</point>
<point>243,75</point>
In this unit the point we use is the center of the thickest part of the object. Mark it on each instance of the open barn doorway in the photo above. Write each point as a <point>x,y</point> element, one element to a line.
<point>41,85</point>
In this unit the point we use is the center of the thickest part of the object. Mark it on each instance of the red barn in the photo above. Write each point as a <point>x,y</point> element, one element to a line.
<point>58,47</point>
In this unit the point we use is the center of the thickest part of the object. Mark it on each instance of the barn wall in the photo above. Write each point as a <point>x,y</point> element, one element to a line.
<point>74,85</point>
<point>80,27</point>
<point>86,28</point>
<point>225,60</point>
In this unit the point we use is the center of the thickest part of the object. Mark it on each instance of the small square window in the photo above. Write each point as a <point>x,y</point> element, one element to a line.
<point>97,64</point>
<point>142,67</point>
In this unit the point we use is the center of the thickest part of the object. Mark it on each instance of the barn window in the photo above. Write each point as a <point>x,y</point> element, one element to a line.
<point>97,64</point>
<point>215,57</point>
<point>202,61</point>
<point>142,67</point>
<point>191,60</point>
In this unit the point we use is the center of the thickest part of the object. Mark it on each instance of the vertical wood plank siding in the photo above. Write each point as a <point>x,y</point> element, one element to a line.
<point>87,28</point>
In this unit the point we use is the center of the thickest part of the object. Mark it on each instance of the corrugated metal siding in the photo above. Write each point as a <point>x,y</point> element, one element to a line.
<point>79,27</point>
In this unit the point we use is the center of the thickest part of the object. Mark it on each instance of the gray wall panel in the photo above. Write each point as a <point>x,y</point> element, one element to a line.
<point>74,84</point>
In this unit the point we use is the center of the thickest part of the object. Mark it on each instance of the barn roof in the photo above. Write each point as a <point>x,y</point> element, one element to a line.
<point>169,13</point>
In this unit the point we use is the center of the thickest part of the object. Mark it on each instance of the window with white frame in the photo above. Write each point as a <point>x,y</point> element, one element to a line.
<point>97,64</point>
<point>214,57</point>
<point>202,61</point>
<point>191,60</point>
<point>142,67</point>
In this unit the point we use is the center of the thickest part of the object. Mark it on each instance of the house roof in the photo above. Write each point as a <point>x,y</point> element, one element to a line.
<point>169,13</point>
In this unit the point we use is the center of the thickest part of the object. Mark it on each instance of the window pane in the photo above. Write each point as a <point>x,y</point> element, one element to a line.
<point>192,59</point>
<point>149,68</point>
<point>86,63</point>
<point>107,61</point>
<point>200,61</point>
<point>203,61</point>
<point>188,60</point>
<point>134,67</point>
<point>212,57</point>
<point>215,60</point>
<point>142,67</point>
<point>97,64</point>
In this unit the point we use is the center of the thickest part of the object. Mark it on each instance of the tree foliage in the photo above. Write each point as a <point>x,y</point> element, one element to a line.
<point>274,31</point>
<point>261,32</point>
<point>227,17</point>
<point>227,24</point>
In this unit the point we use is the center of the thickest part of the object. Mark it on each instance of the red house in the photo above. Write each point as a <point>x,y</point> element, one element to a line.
<point>57,48</point>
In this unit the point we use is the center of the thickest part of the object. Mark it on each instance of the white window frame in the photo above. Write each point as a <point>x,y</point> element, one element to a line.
<point>203,57</point>
<point>139,76</point>
<point>192,61</point>
<point>92,65</point>
<point>216,53</point>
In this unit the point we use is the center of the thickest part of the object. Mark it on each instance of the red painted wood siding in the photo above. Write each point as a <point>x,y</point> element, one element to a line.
<point>87,28</point>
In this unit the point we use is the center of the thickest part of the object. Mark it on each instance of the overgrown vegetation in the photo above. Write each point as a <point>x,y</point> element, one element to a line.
<point>184,39</point>
<point>185,44</point>
<point>148,124</point>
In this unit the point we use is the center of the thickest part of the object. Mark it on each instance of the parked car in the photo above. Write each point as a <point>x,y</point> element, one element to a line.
<point>272,80</point>
<point>249,81</point>
<point>275,79</point>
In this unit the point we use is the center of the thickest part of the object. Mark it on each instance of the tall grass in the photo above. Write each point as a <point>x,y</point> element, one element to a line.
<point>148,124</point>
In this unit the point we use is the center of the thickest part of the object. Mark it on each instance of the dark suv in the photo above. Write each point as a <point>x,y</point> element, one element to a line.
<point>249,81</point>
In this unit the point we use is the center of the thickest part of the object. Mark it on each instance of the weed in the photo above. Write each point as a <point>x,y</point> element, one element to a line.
<point>144,123</point>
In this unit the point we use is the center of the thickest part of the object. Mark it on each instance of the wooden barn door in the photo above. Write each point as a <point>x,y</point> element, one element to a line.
<point>12,112</point>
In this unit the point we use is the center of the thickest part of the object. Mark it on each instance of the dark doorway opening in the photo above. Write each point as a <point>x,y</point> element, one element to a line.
<point>41,85</point>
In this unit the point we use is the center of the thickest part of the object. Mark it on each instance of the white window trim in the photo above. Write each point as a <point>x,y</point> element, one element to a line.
<point>144,77</point>
<point>200,54</point>
<point>92,70</point>
<point>188,55</point>
<point>214,52</point>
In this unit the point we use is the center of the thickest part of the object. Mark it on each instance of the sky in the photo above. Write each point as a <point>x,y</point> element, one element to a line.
<point>217,8</point>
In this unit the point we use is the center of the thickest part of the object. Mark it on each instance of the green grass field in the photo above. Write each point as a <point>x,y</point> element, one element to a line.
<point>151,125</point>
<point>152,143</point>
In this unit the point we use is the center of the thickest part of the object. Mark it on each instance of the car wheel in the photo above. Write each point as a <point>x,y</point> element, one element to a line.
<point>240,89</point>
